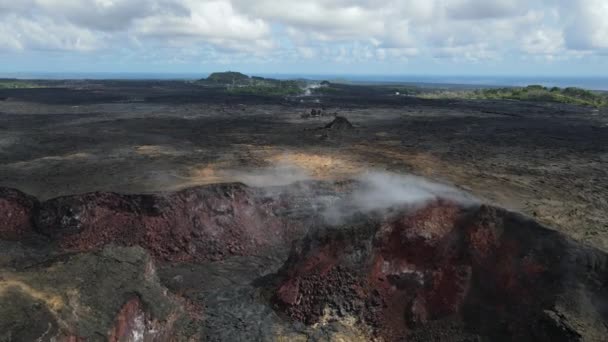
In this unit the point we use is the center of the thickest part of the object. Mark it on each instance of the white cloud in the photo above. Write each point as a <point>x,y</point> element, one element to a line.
<point>307,52</point>
<point>214,22</point>
<point>467,53</point>
<point>340,30</point>
<point>586,26</point>
<point>483,9</point>
<point>20,33</point>
<point>339,18</point>
<point>543,42</point>
<point>105,15</point>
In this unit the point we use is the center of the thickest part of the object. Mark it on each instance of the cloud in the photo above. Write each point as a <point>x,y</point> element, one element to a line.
<point>22,33</point>
<point>80,25</point>
<point>330,30</point>
<point>483,9</point>
<point>335,18</point>
<point>104,15</point>
<point>543,42</point>
<point>213,19</point>
<point>586,27</point>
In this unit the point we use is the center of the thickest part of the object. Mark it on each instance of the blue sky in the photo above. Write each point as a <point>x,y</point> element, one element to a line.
<point>438,37</point>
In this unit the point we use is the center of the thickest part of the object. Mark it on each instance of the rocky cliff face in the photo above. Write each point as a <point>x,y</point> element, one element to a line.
<point>112,294</point>
<point>18,210</point>
<point>239,263</point>
<point>84,264</point>
<point>449,272</point>
<point>207,223</point>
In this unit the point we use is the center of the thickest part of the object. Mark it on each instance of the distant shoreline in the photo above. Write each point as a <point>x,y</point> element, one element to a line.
<point>431,81</point>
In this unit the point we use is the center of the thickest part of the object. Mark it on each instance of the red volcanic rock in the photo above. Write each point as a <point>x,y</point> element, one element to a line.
<point>501,274</point>
<point>289,292</point>
<point>130,322</point>
<point>204,223</point>
<point>415,275</point>
<point>134,324</point>
<point>16,212</point>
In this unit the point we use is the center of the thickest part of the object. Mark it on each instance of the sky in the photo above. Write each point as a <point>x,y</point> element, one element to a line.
<point>434,37</point>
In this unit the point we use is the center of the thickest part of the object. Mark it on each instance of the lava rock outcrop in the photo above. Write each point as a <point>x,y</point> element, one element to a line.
<point>16,214</point>
<point>449,271</point>
<point>204,223</point>
<point>82,267</point>
<point>339,123</point>
<point>109,295</point>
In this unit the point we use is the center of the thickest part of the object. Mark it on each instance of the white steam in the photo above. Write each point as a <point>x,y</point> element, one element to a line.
<point>373,191</point>
<point>309,88</point>
<point>381,191</point>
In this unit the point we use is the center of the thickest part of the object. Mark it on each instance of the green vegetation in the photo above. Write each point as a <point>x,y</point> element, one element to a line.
<point>570,95</point>
<point>228,77</point>
<point>238,83</point>
<point>16,84</point>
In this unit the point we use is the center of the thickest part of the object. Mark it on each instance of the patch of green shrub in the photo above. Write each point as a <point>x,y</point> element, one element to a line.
<point>569,95</point>
<point>16,84</point>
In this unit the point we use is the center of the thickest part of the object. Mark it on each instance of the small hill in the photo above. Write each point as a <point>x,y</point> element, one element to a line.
<point>339,123</point>
<point>239,83</point>
<point>228,77</point>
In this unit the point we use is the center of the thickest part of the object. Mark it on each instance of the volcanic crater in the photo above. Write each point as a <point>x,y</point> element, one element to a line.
<point>232,262</point>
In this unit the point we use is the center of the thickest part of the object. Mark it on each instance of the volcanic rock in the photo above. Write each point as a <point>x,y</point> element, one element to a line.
<point>17,210</point>
<point>437,270</point>
<point>339,123</point>
<point>111,295</point>
<point>204,223</point>
<point>500,275</point>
